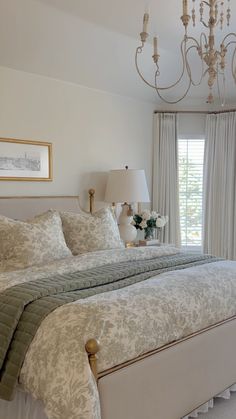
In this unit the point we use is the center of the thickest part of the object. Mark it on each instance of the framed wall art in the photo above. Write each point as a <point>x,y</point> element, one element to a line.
<point>25,160</point>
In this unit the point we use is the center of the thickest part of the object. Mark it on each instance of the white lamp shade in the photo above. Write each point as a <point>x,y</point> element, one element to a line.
<point>126,185</point>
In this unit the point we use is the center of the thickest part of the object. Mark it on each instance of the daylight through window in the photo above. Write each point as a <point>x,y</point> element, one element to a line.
<point>191,158</point>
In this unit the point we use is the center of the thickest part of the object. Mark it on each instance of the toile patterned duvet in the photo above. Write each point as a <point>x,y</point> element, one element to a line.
<point>140,317</point>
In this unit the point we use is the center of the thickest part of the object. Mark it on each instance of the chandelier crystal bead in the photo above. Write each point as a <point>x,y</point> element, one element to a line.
<point>213,58</point>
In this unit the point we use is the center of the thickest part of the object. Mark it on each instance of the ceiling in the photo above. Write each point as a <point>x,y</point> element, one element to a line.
<point>92,43</point>
<point>123,16</point>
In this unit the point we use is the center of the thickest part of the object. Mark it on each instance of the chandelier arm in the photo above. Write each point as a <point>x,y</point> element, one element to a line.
<point>191,38</point>
<point>232,65</point>
<point>168,101</point>
<point>184,52</point>
<point>227,36</point>
<point>199,48</point>
<point>203,35</point>
<point>139,50</point>
<point>189,68</point>
<point>205,24</point>
<point>205,73</point>
<point>230,43</point>
<point>182,73</point>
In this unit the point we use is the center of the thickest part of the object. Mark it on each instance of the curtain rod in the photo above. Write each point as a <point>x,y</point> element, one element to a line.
<point>197,112</point>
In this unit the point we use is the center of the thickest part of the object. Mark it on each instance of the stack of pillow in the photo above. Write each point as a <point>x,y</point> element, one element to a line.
<point>53,235</point>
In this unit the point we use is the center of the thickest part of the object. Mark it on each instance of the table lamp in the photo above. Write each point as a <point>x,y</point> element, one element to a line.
<point>126,186</point>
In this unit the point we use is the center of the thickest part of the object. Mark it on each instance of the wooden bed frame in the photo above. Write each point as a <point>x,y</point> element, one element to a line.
<point>169,382</point>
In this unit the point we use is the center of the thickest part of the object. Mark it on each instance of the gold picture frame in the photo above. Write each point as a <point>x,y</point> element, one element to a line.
<point>25,160</point>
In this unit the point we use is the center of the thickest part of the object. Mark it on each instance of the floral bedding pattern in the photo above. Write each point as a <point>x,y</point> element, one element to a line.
<point>89,233</point>
<point>141,317</point>
<point>37,241</point>
<point>82,262</point>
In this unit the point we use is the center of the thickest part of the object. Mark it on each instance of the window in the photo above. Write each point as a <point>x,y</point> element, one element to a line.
<point>191,158</point>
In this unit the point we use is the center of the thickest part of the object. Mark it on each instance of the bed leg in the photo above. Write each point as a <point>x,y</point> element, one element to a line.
<point>92,348</point>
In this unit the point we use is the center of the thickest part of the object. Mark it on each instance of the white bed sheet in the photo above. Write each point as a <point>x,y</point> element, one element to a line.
<point>22,407</point>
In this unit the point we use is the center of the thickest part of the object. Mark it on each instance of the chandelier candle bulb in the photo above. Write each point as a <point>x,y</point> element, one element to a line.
<point>185,7</point>
<point>145,22</point>
<point>155,45</point>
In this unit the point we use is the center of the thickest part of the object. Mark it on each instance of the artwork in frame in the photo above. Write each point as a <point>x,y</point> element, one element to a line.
<point>25,160</point>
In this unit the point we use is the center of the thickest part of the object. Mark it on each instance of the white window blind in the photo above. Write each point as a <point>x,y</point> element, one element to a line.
<point>191,158</point>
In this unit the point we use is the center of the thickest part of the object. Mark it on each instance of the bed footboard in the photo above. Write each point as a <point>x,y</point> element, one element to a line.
<point>188,373</point>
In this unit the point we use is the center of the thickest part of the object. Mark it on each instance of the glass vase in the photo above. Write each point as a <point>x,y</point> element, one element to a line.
<point>149,233</point>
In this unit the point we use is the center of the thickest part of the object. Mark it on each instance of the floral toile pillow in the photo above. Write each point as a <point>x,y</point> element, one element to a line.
<point>88,233</point>
<point>38,241</point>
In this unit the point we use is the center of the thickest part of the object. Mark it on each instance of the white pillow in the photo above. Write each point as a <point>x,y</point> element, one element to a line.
<point>23,244</point>
<point>87,233</point>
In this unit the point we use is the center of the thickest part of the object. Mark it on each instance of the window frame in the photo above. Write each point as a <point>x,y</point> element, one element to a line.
<point>192,248</point>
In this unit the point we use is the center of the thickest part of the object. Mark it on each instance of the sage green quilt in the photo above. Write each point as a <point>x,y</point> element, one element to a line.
<point>23,307</point>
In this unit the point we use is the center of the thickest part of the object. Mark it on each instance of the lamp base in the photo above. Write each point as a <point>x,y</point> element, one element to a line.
<point>128,232</point>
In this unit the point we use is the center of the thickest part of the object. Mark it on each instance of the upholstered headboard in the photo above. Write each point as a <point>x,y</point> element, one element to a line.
<point>26,207</point>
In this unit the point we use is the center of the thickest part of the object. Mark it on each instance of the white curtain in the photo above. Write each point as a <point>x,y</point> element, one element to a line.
<point>220,186</point>
<point>165,175</point>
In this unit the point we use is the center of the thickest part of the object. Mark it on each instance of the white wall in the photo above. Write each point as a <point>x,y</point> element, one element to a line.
<point>191,125</point>
<point>91,131</point>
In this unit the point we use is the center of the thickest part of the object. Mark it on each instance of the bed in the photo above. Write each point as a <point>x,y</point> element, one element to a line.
<point>157,348</point>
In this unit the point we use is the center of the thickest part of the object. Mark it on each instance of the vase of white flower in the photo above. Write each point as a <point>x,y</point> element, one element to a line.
<point>150,222</point>
<point>149,233</point>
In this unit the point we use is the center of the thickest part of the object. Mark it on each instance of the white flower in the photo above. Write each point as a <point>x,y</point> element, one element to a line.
<point>160,222</point>
<point>143,224</point>
<point>146,215</point>
<point>133,223</point>
<point>154,215</point>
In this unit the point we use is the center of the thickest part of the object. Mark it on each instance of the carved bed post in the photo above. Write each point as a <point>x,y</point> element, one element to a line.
<point>92,348</point>
<point>91,200</point>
